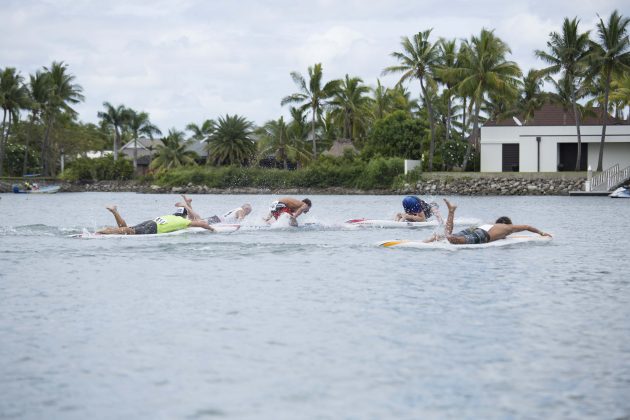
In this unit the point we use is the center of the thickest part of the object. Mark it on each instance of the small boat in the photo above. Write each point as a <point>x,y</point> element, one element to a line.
<point>49,189</point>
<point>621,192</point>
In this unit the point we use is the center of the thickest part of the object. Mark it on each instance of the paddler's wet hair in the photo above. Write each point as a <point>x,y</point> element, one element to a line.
<point>504,220</point>
<point>308,202</point>
<point>181,212</point>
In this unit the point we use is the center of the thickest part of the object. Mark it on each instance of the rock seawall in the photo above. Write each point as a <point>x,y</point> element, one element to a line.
<point>478,185</point>
<point>495,186</point>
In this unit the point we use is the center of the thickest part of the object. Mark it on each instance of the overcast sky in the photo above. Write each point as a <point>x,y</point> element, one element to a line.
<point>186,60</point>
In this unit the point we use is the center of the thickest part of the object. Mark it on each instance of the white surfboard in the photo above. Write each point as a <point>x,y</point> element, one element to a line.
<point>391,224</point>
<point>444,244</point>
<point>218,228</point>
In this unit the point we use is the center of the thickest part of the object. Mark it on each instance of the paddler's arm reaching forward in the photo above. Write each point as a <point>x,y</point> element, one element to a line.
<point>202,224</point>
<point>520,228</point>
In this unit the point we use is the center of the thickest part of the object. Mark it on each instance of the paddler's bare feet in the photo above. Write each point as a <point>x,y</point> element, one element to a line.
<point>451,207</point>
<point>113,209</point>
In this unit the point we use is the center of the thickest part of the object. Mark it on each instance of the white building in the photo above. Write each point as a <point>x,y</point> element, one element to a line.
<point>548,143</point>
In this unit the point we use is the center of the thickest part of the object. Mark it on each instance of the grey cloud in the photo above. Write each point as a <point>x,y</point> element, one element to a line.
<point>186,61</point>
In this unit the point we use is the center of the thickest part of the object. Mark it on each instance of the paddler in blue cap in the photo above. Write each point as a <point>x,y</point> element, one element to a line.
<point>417,210</point>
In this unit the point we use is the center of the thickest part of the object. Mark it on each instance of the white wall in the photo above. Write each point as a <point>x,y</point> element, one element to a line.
<point>614,153</point>
<point>491,157</point>
<point>617,149</point>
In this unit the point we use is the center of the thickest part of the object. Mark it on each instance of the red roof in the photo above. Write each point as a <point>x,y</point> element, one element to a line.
<point>552,114</point>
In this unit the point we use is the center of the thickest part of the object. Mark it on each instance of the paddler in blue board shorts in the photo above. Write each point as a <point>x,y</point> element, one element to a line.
<point>482,234</point>
<point>417,210</point>
<point>162,224</point>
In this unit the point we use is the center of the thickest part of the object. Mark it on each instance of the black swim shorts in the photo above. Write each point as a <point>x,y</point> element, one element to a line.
<point>214,219</point>
<point>474,236</point>
<point>145,228</point>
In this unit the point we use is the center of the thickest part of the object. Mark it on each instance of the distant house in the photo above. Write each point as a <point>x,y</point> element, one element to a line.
<point>93,154</point>
<point>146,149</point>
<point>199,147</point>
<point>548,142</point>
<point>339,147</point>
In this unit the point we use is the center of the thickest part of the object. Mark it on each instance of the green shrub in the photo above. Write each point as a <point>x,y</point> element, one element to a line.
<point>99,169</point>
<point>14,159</point>
<point>346,172</point>
<point>398,134</point>
<point>380,173</point>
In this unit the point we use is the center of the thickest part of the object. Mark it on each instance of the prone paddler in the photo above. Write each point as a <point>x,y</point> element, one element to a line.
<point>163,224</point>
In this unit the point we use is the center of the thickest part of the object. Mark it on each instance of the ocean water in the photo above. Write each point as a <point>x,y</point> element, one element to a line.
<point>315,322</point>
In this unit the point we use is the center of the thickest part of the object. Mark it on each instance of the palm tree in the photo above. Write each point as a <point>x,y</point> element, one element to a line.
<point>330,128</point>
<point>621,93</point>
<point>40,89</point>
<point>298,127</point>
<point>532,97</point>
<point>298,134</point>
<point>567,55</point>
<point>352,104</point>
<point>312,97</point>
<point>401,99</point>
<point>202,132</point>
<point>172,153</point>
<point>418,60</point>
<point>13,97</point>
<point>116,118</point>
<point>484,71</point>
<point>448,60</point>
<point>275,136</point>
<point>231,142</point>
<point>611,56</point>
<point>139,123</point>
<point>65,92</point>
<point>466,107</point>
<point>496,107</point>
<point>381,100</point>
<point>563,95</point>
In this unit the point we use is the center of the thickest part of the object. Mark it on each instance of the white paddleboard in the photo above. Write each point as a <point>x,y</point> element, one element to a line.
<point>444,244</point>
<point>391,224</point>
<point>218,228</point>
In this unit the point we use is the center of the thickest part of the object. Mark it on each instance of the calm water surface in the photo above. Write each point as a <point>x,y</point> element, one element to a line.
<point>315,322</point>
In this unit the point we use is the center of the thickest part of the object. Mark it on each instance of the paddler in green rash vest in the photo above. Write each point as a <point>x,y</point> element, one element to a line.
<point>162,224</point>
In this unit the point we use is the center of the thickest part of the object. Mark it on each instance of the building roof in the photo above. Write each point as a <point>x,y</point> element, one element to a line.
<point>198,147</point>
<point>147,146</point>
<point>339,147</point>
<point>143,144</point>
<point>554,115</point>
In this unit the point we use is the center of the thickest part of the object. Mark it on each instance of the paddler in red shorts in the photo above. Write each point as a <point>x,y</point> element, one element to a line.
<point>291,206</point>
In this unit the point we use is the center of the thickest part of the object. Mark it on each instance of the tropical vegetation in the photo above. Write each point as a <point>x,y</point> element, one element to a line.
<point>446,89</point>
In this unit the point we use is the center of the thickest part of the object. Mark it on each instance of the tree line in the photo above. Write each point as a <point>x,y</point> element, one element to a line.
<point>447,89</point>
